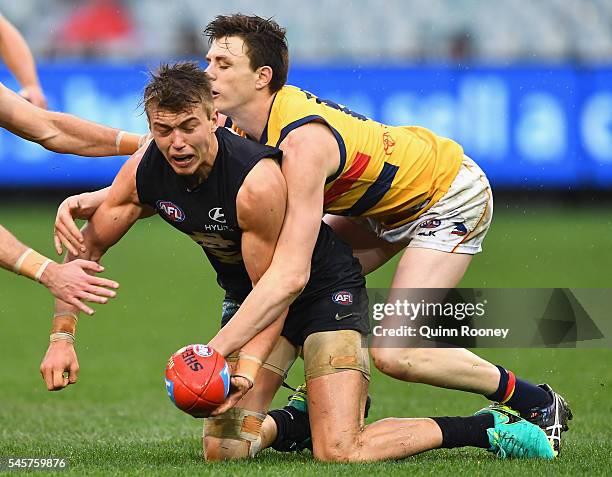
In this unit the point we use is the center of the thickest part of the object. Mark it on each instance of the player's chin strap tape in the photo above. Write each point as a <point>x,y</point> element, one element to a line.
<point>237,423</point>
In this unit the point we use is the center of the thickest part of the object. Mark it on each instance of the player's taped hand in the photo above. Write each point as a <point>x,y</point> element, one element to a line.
<point>239,386</point>
<point>65,229</point>
<point>60,366</point>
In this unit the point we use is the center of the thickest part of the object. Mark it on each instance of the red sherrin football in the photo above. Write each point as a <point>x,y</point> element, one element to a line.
<point>197,379</point>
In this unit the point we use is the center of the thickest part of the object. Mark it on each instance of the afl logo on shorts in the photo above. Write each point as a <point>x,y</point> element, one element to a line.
<point>170,210</point>
<point>343,298</point>
<point>431,224</point>
<point>202,350</point>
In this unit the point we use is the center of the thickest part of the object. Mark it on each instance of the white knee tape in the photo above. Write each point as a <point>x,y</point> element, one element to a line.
<point>282,357</point>
<point>237,424</point>
<point>330,352</point>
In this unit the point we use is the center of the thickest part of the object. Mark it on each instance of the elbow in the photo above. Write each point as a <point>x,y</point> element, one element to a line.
<point>97,250</point>
<point>94,250</point>
<point>49,139</point>
<point>54,139</point>
<point>295,283</point>
<point>52,142</point>
<point>92,254</point>
<point>53,147</point>
<point>96,256</point>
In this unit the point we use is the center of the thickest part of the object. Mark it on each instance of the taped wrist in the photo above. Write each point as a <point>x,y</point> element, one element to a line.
<point>127,143</point>
<point>62,336</point>
<point>64,322</point>
<point>31,264</point>
<point>279,361</point>
<point>247,367</point>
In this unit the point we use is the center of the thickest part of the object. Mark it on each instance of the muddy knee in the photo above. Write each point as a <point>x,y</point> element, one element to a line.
<point>407,364</point>
<point>337,449</point>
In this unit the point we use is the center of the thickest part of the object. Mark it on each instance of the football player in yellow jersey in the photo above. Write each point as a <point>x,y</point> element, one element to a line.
<point>410,190</point>
<point>391,188</point>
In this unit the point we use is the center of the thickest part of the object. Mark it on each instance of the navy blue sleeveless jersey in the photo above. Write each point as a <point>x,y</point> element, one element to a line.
<point>208,215</point>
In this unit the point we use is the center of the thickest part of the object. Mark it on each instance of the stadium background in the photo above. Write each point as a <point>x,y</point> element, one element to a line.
<point>526,87</point>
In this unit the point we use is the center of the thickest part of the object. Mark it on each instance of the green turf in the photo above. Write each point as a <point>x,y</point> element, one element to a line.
<point>118,419</point>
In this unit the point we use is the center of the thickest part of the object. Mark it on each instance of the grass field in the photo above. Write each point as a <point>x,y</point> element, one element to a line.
<point>118,419</point>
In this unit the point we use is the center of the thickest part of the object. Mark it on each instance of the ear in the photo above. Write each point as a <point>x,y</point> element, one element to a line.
<point>264,76</point>
<point>214,118</point>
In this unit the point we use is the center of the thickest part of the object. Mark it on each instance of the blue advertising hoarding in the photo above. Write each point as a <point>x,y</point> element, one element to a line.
<point>535,126</point>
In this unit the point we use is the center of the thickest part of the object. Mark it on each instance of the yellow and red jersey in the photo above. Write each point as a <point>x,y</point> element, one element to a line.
<point>389,173</point>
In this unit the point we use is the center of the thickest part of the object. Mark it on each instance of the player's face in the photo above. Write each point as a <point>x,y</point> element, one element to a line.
<point>186,139</point>
<point>230,73</point>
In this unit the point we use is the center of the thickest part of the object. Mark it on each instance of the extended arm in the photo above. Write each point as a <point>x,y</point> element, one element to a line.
<point>19,60</point>
<point>81,206</point>
<point>69,282</point>
<point>61,132</point>
<point>261,205</point>
<point>307,151</point>
<point>109,223</point>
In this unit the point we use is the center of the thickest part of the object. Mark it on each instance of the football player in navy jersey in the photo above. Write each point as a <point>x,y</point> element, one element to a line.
<point>229,195</point>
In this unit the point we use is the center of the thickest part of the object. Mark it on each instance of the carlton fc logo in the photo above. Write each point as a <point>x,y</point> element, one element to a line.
<point>217,215</point>
<point>170,210</point>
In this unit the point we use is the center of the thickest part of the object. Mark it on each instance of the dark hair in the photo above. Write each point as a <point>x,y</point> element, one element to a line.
<point>178,87</point>
<point>264,38</point>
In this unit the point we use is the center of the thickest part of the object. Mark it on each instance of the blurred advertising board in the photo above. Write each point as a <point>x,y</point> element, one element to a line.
<point>527,126</point>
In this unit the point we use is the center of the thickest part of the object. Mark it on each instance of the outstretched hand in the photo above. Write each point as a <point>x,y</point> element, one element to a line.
<point>75,282</point>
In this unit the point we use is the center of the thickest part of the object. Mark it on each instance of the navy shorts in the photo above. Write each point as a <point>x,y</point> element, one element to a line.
<point>343,309</point>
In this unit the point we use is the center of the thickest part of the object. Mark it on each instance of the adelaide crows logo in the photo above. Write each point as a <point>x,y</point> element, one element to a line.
<point>460,229</point>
